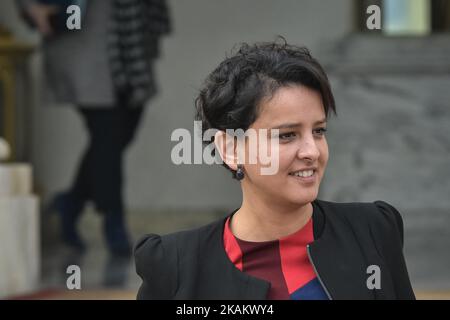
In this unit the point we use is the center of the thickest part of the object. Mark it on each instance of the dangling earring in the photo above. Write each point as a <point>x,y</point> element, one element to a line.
<point>240,173</point>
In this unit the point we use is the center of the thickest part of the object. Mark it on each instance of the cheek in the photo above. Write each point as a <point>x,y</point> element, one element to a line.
<point>280,162</point>
<point>264,154</point>
<point>323,159</point>
<point>287,155</point>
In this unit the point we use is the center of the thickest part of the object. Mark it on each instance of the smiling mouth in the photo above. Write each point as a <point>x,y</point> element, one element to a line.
<point>304,173</point>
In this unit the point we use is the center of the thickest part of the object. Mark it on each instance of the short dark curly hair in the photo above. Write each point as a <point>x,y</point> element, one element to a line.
<point>232,93</point>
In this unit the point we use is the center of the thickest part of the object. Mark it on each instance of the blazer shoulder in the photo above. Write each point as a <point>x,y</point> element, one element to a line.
<point>378,223</point>
<point>156,263</point>
<point>190,238</point>
<point>379,214</point>
<point>390,218</point>
<point>389,212</point>
<point>150,244</point>
<point>157,258</point>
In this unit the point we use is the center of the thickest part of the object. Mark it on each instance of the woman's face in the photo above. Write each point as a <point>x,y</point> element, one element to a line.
<point>298,113</point>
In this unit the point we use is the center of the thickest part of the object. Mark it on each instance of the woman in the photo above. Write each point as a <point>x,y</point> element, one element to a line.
<point>282,243</point>
<point>104,69</point>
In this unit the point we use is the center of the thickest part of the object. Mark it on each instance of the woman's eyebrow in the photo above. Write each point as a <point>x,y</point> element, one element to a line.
<point>297,124</point>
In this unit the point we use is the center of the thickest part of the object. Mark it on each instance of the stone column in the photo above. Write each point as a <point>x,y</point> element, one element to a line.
<point>19,231</point>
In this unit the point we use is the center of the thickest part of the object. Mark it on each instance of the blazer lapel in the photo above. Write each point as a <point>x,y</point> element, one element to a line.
<point>220,278</point>
<point>337,256</point>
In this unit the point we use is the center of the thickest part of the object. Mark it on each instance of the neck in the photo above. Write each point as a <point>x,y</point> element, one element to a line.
<point>261,220</point>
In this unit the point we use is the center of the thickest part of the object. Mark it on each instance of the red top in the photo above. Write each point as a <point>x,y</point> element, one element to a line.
<point>283,262</point>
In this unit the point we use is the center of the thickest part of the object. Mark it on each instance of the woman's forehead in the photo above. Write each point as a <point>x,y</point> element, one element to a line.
<point>291,105</point>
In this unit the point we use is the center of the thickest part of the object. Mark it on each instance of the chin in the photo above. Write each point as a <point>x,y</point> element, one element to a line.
<point>303,196</point>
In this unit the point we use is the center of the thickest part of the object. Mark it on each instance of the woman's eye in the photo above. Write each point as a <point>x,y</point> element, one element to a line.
<point>320,131</point>
<point>286,136</point>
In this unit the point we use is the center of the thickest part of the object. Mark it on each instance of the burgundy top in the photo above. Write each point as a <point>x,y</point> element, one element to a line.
<point>283,262</point>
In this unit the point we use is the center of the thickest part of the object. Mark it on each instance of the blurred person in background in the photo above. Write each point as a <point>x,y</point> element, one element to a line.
<point>105,70</point>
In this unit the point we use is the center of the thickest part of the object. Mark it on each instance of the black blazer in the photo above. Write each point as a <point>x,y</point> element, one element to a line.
<point>349,237</point>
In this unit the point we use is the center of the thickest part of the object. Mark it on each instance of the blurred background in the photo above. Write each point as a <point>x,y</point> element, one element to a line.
<point>390,141</point>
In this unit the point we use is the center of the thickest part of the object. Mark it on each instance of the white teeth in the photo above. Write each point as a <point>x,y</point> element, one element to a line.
<point>306,173</point>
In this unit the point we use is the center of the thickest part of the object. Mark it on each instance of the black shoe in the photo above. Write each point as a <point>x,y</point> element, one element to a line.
<point>116,235</point>
<point>69,209</point>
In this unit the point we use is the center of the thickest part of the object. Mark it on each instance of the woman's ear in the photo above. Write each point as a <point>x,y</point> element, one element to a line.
<point>226,146</point>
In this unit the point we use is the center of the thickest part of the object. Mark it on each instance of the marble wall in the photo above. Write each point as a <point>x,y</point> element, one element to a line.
<point>391,139</point>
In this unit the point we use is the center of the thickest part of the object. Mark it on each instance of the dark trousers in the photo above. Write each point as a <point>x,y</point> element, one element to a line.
<point>99,177</point>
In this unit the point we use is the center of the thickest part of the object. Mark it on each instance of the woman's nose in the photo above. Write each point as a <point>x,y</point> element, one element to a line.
<point>308,149</point>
